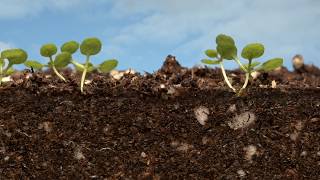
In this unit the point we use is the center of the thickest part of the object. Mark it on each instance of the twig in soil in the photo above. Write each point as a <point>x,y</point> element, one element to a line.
<point>19,131</point>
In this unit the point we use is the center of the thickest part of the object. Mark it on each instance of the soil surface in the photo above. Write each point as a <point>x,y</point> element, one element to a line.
<point>176,123</point>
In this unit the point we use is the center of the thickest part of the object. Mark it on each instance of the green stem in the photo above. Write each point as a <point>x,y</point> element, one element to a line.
<point>55,70</point>
<point>84,72</point>
<point>77,64</point>
<point>239,63</point>
<point>226,77</point>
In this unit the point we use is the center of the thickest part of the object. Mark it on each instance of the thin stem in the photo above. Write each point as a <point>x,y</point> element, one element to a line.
<point>226,77</point>
<point>4,71</point>
<point>248,73</point>
<point>55,70</point>
<point>81,66</point>
<point>84,73</point>
<point>239,63</point>
<point>1,69</point>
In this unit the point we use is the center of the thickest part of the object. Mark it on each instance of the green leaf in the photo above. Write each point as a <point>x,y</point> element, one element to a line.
<point>226,47</point>
<point>209,61</point>
<point>10,71</point>
<point>211,53</point>
<point>224,39</point>
<point>15,56</point>
<point>90,67</point>
<point>33,64</point>
<point>62,60</point>
<point>48,50</point>
<point>90,46</point>
<point>70,47</point>
<point>251,51</point>
<point>108,65</point>
<point>227,51</point>
<point>271,64</point>
<point>253,65</point>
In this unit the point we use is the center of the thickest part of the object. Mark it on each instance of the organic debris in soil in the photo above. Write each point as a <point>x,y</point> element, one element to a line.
<point>177,123</point>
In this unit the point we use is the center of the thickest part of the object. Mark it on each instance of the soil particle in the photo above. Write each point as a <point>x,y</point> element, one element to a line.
<point>170,65</point>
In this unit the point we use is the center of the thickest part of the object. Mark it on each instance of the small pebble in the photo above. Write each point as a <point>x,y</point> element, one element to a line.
<point>6,158</point>
<point>241,173</point>
<point>303,153</point>
<point>143,154</point>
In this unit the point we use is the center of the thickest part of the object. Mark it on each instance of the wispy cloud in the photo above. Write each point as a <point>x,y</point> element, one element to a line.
<point>22,8</point>
<point>140,33</point>
<point>189,26</point>
<point>5,45</point>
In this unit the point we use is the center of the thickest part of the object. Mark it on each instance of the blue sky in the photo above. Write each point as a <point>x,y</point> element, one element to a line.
<point>141,33</point>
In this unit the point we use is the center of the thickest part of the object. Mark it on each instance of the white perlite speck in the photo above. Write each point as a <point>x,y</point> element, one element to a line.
<point>78,154</point>
<point>201,114</point>
<point>232,108</point>
<point>242,121</point>
<point>250,151</point>
<point>241,173</point>
<point>143,154</point>
<point>273,84</point>
<point>116,74</point>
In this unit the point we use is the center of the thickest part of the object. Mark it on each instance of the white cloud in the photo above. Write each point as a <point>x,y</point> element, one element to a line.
<point>189,26</point>
<point>5,45</point>
<point>22,8</point>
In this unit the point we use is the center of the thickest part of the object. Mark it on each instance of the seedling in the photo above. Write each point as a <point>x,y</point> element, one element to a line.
<point>88,47</point>
<point>61,60</point>
<point>227,50</point>
<point>13,56</point>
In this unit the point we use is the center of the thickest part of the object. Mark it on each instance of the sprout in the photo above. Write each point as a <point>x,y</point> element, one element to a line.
<point>13,56</point>
<point>62,60</point>
<point>90,47</point>
<point>70,47</point>
<point>48,50</point>
<point>227,50</point>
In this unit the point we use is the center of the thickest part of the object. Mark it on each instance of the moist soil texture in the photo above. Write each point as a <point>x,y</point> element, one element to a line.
<point>175,123</point>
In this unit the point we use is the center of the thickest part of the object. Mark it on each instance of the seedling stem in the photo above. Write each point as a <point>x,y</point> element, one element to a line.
<point>55,70</point>
<point>84,72</point>
<point>226,77</point>
<point>1,69</point>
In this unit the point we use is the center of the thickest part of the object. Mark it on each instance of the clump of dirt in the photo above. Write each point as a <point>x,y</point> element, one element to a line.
<point>177,123</point>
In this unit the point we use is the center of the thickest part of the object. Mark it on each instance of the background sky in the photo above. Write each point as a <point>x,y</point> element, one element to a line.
<point>141,33</point>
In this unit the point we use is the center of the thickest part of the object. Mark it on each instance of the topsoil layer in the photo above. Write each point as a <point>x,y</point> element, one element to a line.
<point>176,123</point>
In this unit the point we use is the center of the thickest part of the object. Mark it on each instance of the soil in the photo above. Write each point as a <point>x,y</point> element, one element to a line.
<point>176,123</point>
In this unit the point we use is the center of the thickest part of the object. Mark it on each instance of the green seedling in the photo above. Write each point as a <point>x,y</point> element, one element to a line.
<point>227,50</point>
<point>13,56</point>
<point>72,47</point>
<point>89,47</point>
<point>60,61</point>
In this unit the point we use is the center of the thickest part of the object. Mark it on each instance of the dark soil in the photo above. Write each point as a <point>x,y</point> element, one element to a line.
<point>146,127</point>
